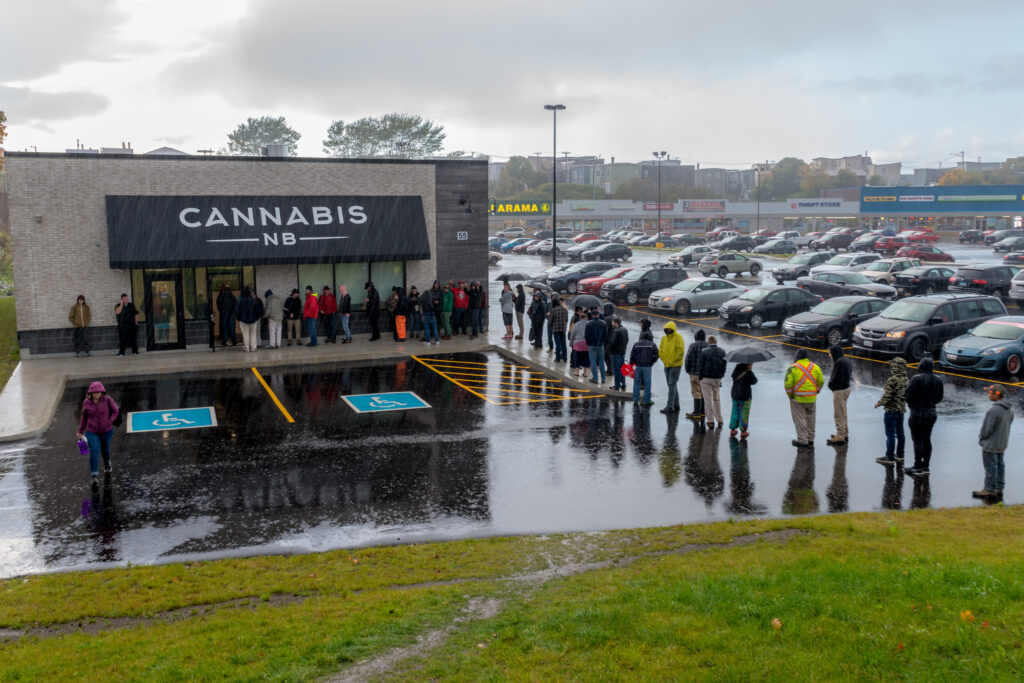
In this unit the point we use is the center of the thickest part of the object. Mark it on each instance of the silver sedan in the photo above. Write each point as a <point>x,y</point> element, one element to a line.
<point>695,294</point>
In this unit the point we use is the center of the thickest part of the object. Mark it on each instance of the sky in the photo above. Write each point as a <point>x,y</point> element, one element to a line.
<point>716,82</point>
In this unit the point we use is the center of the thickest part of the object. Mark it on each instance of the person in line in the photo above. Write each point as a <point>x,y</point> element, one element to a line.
<point>391,306</point>
<point>447,304</point>
<point>329,311</point>
<point>273,311</point>
<point>460,318</point>
<point>507,301</point>
<point>924,392</point>
<point>226,305</point>
<point>993,438</point>
<point>401,316</point>
<point>691,366</point>
<point>839,384</point>
<point>618,343</point>
<point>80,317</point>
<point>127,326</point>
<point>96,426</point>
<point>483,307</point>
<point>414,313</point>
<point>743,378</point>
<point>710,370</point>
<point>249,313</point>
<point>803,383</point>
<point>435,295</point>
<point>372,305</point>
<point>595,335</point>
<point>559,321</point>
<point>894,403</point>
<point>310,312</point>
<point>345,313</point>
<point>578,343</point>
<point>520,310</point>
<point>475,297</point>
<point>642,357</point>
<point>430,334</point>
<point>293,318</point>
<point>537,314</point>
<point>672,351</point>
<point>547,316</point>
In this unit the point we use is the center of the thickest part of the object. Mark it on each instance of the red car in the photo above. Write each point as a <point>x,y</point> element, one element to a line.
<point>1016,257</point>
<point>890,245</point>
<point>764,233</point>
<point>521,249</point>
<point>922,237</point>
<point>592,285</point>
<point>924,252</point>
<point>585,237</point>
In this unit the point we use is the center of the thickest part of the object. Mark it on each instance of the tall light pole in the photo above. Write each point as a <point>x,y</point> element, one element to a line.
<point>659,156</point>
<point>554,109</point>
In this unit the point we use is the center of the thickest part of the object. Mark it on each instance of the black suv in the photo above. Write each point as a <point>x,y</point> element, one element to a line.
<point>639,283</point>
<point>1002,235</point>
<point>687,238</point>
<point>770,303</point>
<point>991,280</point>
<point>971,237</point>
<point>1009,244</point>
<point>835,241</point>
<point>918,325</point>
<point>606,252</point>
<point>800,265</point>
<point>566,280</point>
<point>737,243</point>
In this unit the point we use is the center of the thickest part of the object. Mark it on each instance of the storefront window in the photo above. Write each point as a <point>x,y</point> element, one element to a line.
<point>188,290</point>
<point>316,275</point>
<point>249,277</point>
<point>353,276</point>
<point>202,311</point>
<point>139,294</point>
<point>388,274</point>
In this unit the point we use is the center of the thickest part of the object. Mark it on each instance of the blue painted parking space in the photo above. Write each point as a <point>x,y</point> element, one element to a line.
<point>180,418</point>
<point>379,403</point>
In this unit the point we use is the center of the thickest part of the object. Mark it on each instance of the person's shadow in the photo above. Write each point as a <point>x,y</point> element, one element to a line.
<point>703,471</point>
<point>740,486</point>
<point>892,488</point>
<point>838,494</point>
<point>670,460</point>
<point>800,498</point>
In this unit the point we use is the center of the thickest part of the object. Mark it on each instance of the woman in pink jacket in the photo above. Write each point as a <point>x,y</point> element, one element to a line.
<point>97,426</point>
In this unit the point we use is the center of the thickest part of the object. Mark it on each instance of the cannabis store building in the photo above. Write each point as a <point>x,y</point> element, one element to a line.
<point>170,230</point>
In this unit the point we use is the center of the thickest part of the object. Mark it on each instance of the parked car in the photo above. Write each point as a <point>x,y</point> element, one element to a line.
<point>585,237</point>
<point>1009,244</point>
<point>922,280</point>
<point>512,233</point>
<point>637,285</point>
<point>665,240</point>
<point>1014,258</point>
<point>546,234</point>
<point>846,262</point>
<point>691,254</point>
<point>925,252</point>
<point>635,240</point>
<point>592,284</point>
<point>493,257</point>
<point>764,232</point>
<point>512,244</point>
<point>568,279</point>
<point>737,243</point>
<point>688,238</point>
<point>918,325</point>
<point>776,246</point>
<point>991,280</point>
<point>866,242</point>
<point>523,246</point>
<point>496,242</point>
<point>844,283</point>
<point>997,235</point>
<point>800,265</point>
<point>883,270</point>
<point>543,275</point>
<point>995,345</point>
<point>695,294</point>
<point>832,321</point>
<point>576,251</point>
<point>1017,289</point>
<point>608,252</point>
<point>832,242</point>
<point>561,244</point>
<point>721,234</point>
<point>787,235</point>
<point>725,263</point>
<point>624,237</point>
<point>971,237</point>
<point>890,245</point>
<point>806,239</point>
<point>923,237</point>
<point>770,303</point>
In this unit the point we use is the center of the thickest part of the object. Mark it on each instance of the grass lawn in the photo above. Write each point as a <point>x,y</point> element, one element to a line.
<point>920,595</point>
<point>8,340</point>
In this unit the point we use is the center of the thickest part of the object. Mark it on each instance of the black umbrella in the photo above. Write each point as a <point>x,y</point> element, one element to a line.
<point>748,354</point>
<point>538,285</point>
<point>586,301</point>
<point>515,275</point>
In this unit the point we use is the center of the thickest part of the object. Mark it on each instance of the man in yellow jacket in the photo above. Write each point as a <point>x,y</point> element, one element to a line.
<point>803,382</point>
<point>671,352</point>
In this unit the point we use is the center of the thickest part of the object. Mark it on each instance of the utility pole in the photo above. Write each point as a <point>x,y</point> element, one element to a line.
<point>554,109</point>
<point>659,156</point>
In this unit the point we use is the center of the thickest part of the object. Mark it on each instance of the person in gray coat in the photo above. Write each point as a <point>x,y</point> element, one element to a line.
<point>993,438</point>
<point>273,311</point>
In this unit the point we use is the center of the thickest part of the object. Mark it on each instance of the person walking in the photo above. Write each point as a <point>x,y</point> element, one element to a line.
<point>578,344</point>
<point>839,384</point>
<point>559,321</point>
<point>447,304</point>
<point>743,378</point>
<point>642,357</point>
<point>329,311</point>
<point>507,301</point>
<point>520,310</point>
<point>430,334</point>
<point>249,313</point>
<point>414,314</point>
<point>293,318</point>
<point>273,311</point>
<point>618,343</point>
<point>537,313</point>
<point>993,438</point>
<point>127,326</point>
<point>96,426</point>
<point>372,305</point>
<point>80,317</point>
<point>310,312</point>
<point>710,371</point>
<point>691,366</point>
<point>595,335</point>
<point>226,305</point>
<point>894,403</point>
<point>345,313</point>
<point>672,352</point>
<point>803,383</point>
<point>924,392</point>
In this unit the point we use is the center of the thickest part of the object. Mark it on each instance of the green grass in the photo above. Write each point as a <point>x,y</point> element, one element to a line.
<point>8,340</point>
<point>858,596</point>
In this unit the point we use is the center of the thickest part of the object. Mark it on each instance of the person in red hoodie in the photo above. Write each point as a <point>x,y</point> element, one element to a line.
<point>329,310</point>
<point>310,312</point>
<point>460,317</point>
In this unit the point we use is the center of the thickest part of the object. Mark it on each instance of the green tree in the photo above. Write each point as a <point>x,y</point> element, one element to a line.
<point>646,190</point>
<point>813,180</point>
<point>846,178</point>
<point>783,181</point>
<point>404,135</point>
<point>249,138</point>
<point>517,176</point>
<point>876,180</point>
<point>958,176</point>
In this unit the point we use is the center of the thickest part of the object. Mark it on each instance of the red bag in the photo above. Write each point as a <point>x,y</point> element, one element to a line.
<point>400,326</point>
<point>627,370</point>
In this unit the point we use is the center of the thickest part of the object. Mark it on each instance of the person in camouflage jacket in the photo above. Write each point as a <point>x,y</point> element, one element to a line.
<point>894,403</point>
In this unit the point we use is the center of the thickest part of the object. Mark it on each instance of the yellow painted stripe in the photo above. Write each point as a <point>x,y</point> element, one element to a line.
<point>452,380</point>
<point>516,384</point>
<point>446,360</point>
<point>273,396</point>
<point>536,393</point>
<point>535,375</point>
<point>459,364</point>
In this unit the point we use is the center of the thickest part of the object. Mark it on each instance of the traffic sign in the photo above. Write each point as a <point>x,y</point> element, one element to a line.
<point>179,418</point>
<point>379,403</point>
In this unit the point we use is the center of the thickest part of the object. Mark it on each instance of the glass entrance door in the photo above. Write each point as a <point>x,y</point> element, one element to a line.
<point>165,316</point>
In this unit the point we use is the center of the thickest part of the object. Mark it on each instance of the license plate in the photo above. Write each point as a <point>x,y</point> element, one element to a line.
<point>725,315</point>
<point>952,356</point>
<point>868,343</point>
<point>789,333</point>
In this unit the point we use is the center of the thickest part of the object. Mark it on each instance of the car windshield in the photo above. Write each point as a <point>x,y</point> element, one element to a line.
<point>613,273</point>
<point>831,307</point>
<point>855,279</point>
<point>686,285</point>
<point>878,267</point>
<point>754,294</point>
<point>690,250</point>
<point>634,274</point>
<point>839,260</point>
<point>800,260</point>
<point>576,267</point>
<point>997,329</point>
<point>908,310</point>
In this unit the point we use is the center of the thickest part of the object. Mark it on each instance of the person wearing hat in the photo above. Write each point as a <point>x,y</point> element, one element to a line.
<point>559,322</point>
<point>293,318</point>
<point>596,334</point>
<point>672,352</point>
<point>310,312</point>
<point>273,311</point>
<point>993,439</point>
<point>924,392</point>
<point>894,403</point>
<point>803,383</point>
<point>618,343</point>
<point>96,426</point>
<point>329,310</point>
<point>372,304</point>
<point>80,317</point>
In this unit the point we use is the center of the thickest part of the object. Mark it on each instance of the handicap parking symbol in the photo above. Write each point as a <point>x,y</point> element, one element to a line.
<point>379,403</point>
<point>179,418</point>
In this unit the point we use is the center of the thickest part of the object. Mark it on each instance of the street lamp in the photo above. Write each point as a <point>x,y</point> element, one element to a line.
<point>554,109</point>
<point>659,156</point>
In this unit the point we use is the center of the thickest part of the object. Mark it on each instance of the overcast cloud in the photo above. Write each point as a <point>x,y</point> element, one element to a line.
<point>714,82</point>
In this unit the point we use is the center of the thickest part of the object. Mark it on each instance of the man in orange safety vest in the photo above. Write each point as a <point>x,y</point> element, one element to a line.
<point>804,381</point>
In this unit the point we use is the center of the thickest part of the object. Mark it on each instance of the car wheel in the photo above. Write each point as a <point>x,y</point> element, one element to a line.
<point>494,260</point>
<point>804,273</point>
<point>754,270</point>
<point>929,290</point>
<point>571,286</point>
<point>682,307</point>
<point>1013,364</point>
<point>834,336</point>
<point>997,293</point>
<point>723,272</point>
<point>756,320</point>
<point>632,296</point>
<point>917,350</point>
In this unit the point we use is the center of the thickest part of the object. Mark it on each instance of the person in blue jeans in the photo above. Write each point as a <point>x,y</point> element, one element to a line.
<point>994,438</point>
<point>894,403</point>
<point>642,358</point>
<point>596,335</point>
<point>426,303</point>
<point>96,426</point>
<point>618,342</point>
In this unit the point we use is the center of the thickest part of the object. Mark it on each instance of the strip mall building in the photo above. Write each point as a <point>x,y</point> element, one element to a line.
<point>170,230</point>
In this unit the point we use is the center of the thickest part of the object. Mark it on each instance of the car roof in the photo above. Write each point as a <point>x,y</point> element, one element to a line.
<point>929,298</point>
<point>853,298</point>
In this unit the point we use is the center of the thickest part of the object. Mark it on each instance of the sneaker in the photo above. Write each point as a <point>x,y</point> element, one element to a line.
<point>107,468</point>
<point>76,355</point>
<point>835,441</point>
<point>648,403</point>
<point>88,355</point>
<point>135,353</point>
<point>744,435</point>
<point>594,381</point>
<point>885,461</point>
<point>666,411</point>
<point>983,494</point>
<point>120,355</point>
<point>732,432</point>
<point>899,458</point>
<point>798,444</point>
